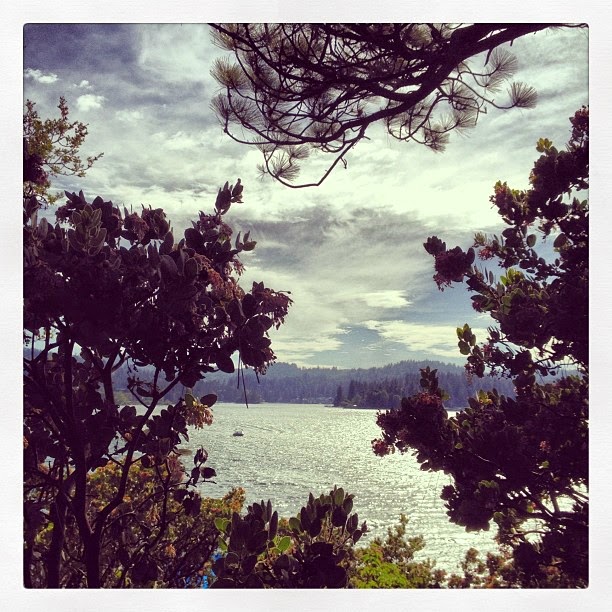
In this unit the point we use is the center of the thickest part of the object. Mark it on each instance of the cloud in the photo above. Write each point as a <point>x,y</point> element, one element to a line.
<point>350,251</point>
<point>388,298</point>
<point>176,53</point>
<point>39,76</point>
<point>341,269</point>
<point>129,116</point>
<point>89,102</point>
<point>179,141</point>
<point>436,340</point>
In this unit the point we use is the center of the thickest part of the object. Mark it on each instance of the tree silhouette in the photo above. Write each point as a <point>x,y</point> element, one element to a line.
<point>521,462</point>
<point>297,87</point>
<point>103,288</point>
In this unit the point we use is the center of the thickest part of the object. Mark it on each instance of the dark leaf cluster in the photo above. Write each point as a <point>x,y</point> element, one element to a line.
<point>105,289</point>
<point>312,551</point>
<point>521,462</point>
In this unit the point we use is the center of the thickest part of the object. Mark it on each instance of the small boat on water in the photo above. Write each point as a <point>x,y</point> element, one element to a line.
<point>238,432</point>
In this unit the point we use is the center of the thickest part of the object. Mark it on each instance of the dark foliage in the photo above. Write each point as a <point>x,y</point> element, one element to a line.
<point>52,150</point>
<point>388,392</point>
<point>313,551</point>
<point>104,288</point>
<point>521,462</point>
<point>380,387</point>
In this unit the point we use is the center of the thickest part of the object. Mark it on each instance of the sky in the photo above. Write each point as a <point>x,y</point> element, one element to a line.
<point>351,250</point>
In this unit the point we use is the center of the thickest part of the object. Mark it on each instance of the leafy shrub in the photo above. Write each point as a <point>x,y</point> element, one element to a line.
<point>390,564</point>
<point>313,550</point>
<point>151,541</point>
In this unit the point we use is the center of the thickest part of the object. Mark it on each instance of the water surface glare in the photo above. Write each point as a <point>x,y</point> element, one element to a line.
<point>289,450</point>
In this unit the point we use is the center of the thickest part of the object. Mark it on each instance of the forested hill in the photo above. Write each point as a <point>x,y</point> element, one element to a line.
<point>381,387</point>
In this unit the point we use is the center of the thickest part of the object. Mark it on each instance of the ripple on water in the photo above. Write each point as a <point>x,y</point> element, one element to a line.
<point>288,451</point>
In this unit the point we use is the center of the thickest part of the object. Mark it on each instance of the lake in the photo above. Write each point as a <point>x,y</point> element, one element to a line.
<point>289,450</point>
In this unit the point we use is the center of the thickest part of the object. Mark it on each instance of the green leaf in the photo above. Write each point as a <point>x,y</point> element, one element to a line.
<point>249,564</point>
<point>543,145</point>
<point>128,413</point>
<point>304,519</point>
<point>273,526</point>
<point>284,543</point>
<point>352,523</point>
<point>168,267</point>
<point>225,363</point>
<point>191,268</point>
<point>531,240</point>
<point>167,244</point>
<point>315,528</point>
<point>257,542</point>
<point>282,563</point>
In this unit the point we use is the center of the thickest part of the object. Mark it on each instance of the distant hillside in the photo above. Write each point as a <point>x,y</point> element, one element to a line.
<point>379,387</point>
<point>376,387</point>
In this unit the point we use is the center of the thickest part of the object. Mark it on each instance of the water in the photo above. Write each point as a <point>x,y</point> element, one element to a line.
<point>290,450</point>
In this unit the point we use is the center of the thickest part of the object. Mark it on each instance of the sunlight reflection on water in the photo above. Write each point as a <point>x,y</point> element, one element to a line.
<point>288,451</point>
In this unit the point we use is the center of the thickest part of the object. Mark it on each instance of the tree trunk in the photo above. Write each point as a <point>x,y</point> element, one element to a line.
<point>27,567</point>
<point>54,555</point>
<point>92,561</point>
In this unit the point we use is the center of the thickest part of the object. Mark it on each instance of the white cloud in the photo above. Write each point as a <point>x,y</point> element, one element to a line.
<point>302,350</point>
<point>437,340</point>
<point>179,141</point>
<point>340,271</point>
<point>89,102</point>
<point>129,116</point>
<point>84,84</point>
<point>387,298</point>
<point>39,76</point>
<point>176,53</point>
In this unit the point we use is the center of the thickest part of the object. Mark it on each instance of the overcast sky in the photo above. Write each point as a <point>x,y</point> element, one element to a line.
<point>350,251</point>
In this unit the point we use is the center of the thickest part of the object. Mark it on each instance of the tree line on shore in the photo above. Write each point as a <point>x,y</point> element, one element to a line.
<point>377,387</point>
